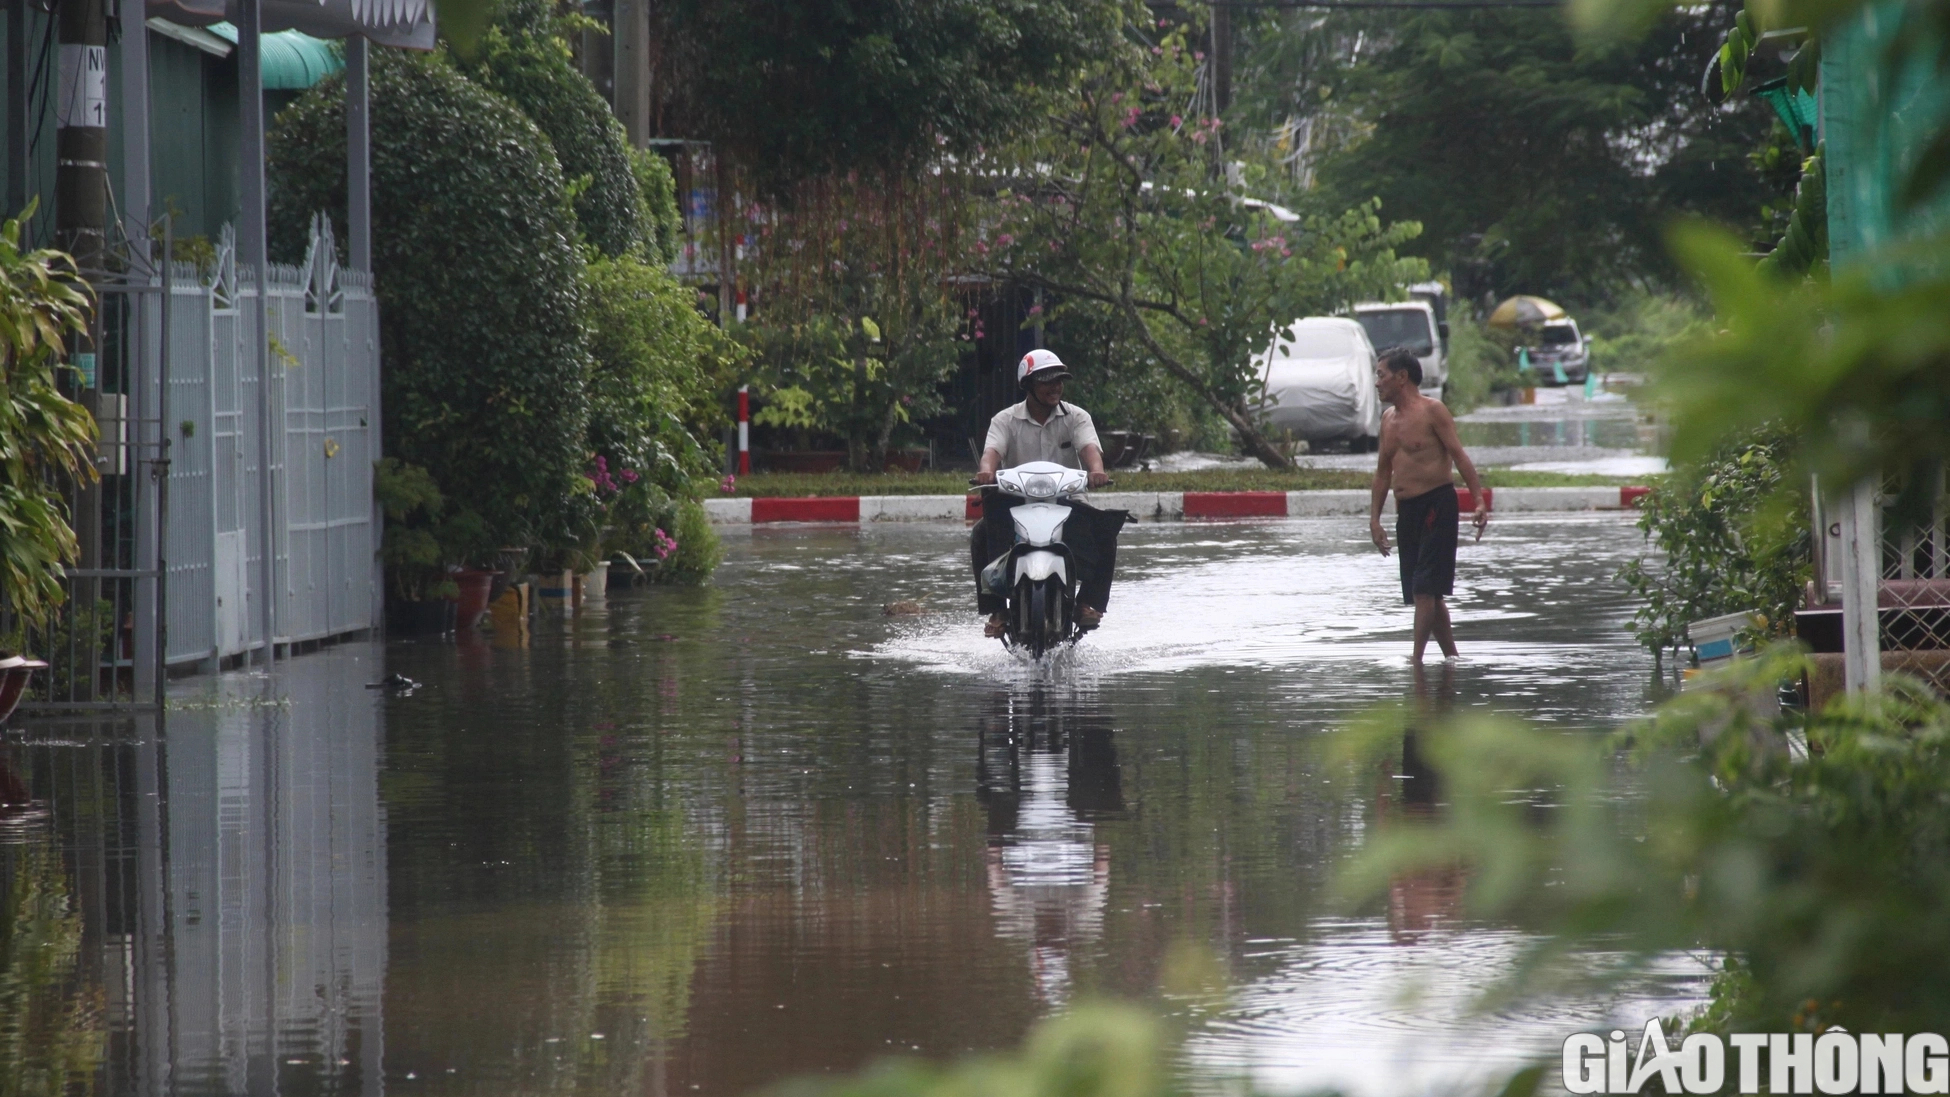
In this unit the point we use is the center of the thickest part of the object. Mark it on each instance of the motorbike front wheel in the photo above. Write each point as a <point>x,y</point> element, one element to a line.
<point>1042,616</point>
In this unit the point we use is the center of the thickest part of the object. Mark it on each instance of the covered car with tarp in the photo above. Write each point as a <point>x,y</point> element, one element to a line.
<point>1319,378</point>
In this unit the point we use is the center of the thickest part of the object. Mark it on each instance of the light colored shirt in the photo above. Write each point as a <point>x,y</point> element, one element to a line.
<point>1020,439</point>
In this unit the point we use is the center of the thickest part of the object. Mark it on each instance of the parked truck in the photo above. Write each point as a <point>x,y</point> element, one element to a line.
<point>1418,325</point>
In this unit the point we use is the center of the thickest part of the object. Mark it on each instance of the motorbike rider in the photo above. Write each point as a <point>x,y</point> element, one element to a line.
<point>1043,427</point>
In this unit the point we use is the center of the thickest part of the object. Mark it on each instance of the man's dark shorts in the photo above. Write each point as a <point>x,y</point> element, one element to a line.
<point>1425,536</point>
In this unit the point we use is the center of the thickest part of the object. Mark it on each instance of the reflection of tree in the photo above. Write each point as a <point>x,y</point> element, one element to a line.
<point>52,1030</point>
<point>571,914</point>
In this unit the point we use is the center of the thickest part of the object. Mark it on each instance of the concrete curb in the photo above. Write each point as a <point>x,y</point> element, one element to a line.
<point>1151,506</point>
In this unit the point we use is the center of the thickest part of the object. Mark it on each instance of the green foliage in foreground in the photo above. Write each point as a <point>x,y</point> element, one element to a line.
<point>1858,369</point>
<point>1813,851</point>
<point>1730,536</point>
<point>790,484</point>
<point>45,439</point>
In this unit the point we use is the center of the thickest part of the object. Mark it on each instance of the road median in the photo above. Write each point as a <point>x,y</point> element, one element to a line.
<point>1151,506</point>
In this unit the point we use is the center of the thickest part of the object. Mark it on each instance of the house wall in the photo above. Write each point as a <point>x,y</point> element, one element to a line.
<point>194,137</point>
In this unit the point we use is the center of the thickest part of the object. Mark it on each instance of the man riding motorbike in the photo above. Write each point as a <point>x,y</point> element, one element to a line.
<point>1045,428</point>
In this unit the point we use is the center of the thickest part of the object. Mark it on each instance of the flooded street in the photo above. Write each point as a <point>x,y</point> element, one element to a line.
<point>697,841</point>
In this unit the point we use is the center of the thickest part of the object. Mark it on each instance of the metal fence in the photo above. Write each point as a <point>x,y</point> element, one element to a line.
<point>324,358</point>
<point>174,533</point>
<point>1912,565</point>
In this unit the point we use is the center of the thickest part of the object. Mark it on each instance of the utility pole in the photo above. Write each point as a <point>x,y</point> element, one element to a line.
<point>254,249</point>
<point>1221,58</point>
<point>81,136</point>
<point>17,109</point>
<point>630,26</point>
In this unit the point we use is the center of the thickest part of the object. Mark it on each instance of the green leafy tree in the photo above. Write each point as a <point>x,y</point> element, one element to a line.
<point>1535,162</point>
<point>480,283</point>
<point>1119,205</point>
<point>799,91</point>
<point>525,56</point>
<point>858,320</point>
<point>46,439</point>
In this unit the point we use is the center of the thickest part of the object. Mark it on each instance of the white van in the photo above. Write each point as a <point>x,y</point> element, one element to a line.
<point>1319,377</point>
<point>1415,326</point>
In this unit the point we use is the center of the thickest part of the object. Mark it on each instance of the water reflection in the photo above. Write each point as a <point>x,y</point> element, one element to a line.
<point>222,875</point>
<point>698,841</point>
<point>1045,768</point>
<point>1420,901</point>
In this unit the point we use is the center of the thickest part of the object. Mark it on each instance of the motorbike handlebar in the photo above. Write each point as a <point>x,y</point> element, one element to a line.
<point>974,483</point>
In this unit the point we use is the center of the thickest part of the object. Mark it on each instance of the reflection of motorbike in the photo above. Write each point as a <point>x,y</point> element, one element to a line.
<point>1037,577</point>
<point>1045,774</point>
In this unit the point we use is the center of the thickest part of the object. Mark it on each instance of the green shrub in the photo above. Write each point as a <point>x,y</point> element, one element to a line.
<point>525,57</point>
<point>1731,535</point>
<point>698,548</point>
<point>479,283</point>
<point>663,223</point>
<point>1821,873</point>
<point>45,439</point>
<point>660,371</point>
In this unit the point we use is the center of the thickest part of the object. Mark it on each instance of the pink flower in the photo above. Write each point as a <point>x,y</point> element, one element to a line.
<point>1176,121</point>
<point>729,484</point>
<point>1004,240</point>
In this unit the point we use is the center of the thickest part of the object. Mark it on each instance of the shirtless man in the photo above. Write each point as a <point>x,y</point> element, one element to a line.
<point>1418,444</point>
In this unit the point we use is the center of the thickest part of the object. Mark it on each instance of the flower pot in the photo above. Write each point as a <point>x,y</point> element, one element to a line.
<point>432,617</point>
<point>472,601</point>
<point>15,671</point>
<point>591,584</point>
<point>555,590</point>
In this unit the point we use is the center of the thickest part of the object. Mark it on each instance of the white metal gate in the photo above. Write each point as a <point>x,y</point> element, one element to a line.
<point>324,356</point>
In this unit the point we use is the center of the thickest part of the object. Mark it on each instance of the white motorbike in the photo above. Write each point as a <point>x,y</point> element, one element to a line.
<point>1037,578</point>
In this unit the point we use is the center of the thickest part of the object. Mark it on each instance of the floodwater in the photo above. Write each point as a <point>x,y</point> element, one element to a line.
<point>699,841</point>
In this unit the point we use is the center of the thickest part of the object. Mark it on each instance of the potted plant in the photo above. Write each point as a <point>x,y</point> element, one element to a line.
<point>46,440</point>
<point>430,551</point>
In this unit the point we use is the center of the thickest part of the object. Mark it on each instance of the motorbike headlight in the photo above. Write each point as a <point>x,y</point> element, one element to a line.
<point>1040,486</point>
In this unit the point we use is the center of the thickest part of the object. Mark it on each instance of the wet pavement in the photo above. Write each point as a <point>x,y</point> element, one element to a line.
<point>697,841</point>
<point>1563,431</point>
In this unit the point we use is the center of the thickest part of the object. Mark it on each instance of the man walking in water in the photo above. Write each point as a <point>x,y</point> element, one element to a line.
<point>1418,447</point>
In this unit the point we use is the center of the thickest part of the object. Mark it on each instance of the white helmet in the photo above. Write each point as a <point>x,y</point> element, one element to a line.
<point>1041,362</point>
